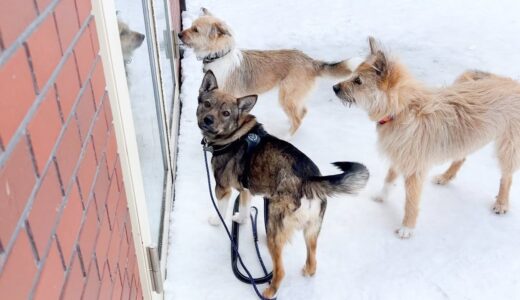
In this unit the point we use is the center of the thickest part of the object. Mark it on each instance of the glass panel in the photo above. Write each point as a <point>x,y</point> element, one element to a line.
<point>145,112</point>
<point>165,55</point>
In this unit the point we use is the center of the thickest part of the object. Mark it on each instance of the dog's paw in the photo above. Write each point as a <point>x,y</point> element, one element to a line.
<point>500,209</point>
<point>404,232</point>
<point>239,218</point>
<point>440,180</point>
<point>308,271</point>
<point>269,293</point>
<point>213,220</point>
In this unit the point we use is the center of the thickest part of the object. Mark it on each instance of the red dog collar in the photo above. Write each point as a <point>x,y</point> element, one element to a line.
<point>385,120</point>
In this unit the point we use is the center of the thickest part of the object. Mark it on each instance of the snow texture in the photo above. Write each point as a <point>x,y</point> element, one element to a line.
<point>460,250</point>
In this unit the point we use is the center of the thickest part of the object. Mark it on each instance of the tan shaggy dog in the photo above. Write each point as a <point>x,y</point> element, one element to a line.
<point>419,127</point>
<point>246,72</point>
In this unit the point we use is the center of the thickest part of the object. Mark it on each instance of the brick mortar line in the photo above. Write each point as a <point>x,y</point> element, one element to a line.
<point>20,40</point>
<point>61,210</point>
<point>49,163</point>
<point>9,148</point>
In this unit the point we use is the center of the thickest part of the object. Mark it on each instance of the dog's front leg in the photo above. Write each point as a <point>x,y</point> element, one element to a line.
<point>413,186</point>
<point>223,194</point>
<point>245,204</point>
<point>391,176</point>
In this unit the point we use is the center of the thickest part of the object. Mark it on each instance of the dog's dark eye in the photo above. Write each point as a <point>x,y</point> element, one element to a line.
<point>207,104</point>
<point>226,113</point>
<point>357,81</point>
<point>195,29</point>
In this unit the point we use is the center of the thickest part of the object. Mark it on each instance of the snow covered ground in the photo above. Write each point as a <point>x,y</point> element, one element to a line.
<point>460,249</point>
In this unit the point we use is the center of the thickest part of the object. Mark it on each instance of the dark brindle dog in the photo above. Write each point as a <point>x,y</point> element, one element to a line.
<point>247,158</point>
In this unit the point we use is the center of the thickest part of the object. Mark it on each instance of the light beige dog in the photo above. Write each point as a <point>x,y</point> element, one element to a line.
<point>246,72</point>
<point>419,127</point>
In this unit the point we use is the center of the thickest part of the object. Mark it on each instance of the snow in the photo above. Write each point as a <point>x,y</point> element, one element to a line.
<point>460,250</point>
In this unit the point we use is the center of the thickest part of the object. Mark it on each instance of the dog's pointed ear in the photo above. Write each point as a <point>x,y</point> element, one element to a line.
<point>246,104</point>
<point>209,83</point>
<point>218,29</point>
<point>380,64</point>
<point>374,45</point>
<point>205,12</point>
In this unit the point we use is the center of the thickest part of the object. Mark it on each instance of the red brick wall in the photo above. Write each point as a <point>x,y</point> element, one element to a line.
<point>64,224</point>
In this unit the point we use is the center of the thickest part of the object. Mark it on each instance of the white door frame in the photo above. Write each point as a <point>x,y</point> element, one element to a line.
<point>113,66</point>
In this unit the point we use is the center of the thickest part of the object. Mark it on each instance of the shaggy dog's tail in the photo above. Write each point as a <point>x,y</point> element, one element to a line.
<point>472,75</point>
<point>338,69</point>
<point>353,178</point>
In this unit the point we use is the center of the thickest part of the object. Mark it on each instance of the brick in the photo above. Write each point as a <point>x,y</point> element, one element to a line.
<point>19,270</point>
<point>75,281</point>
<point>84,9</point>
<point>44,50</point>
<point>106,284</point>
<point>99,133</point>
<point>67,20</point>
<point>111,202</point>
<point>126,287</point>
<point>113,250</point>
<point>68,152</point>
<point>111,152</point>
<point>51,277</point>
<point>84,55</point>
<point>101,188</point>
<point>44,129</point>
<point>108,110</point>
<point>14,192</point>
<point>94,36</point>
<point>133,289</point>
<point>68,228</point>
<point>17,90</point>
<point>93,283</point>
<point>85,111</point>
<point>88,234</point>
<point>123,250</point>
<point>45,207</point>
<point>68,84</point>
<point>98,82</point>
<point>13,24</point>
<point>42,4</point>
<point>87,170</point>
<point>117,290</point>
<point>103,242</point>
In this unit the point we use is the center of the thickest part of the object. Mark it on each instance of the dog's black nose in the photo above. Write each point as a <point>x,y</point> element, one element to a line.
<point>179,35</point>
<point>336,88</point>
<point>141,37</point>
<point>208,120</point>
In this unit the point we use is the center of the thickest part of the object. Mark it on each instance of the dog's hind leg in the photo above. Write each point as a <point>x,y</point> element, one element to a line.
<point>223,194</point>
<point>509,159</point>
<point>278,233</point>
<point>390,178</point>
<point>311,233</point>
<point>452,171</point>
<point>292,97</point>
<point>413,185</point>
<point>245,203</point>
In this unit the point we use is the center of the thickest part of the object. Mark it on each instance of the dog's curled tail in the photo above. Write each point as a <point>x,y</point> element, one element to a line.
<point>338,69</point>
<point>472,75</point>
<point>353,179</point>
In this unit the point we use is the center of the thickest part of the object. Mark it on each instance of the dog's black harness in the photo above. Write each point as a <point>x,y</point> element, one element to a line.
<point>252,139</point>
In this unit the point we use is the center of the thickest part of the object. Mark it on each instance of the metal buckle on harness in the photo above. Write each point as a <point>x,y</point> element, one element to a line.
<point>205,146</point>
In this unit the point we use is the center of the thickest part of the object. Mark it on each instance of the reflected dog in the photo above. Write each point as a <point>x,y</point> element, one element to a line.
<point>419,127</point>
<point>130,40</point>
<point>274,169</point>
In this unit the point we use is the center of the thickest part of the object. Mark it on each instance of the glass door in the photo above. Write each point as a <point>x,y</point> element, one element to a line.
<point>147,49</point>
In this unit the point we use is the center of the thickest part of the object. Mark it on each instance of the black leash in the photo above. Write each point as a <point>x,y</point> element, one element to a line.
<point>234,245</point>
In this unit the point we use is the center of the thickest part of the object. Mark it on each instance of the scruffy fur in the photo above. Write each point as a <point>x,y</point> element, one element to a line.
<point>426,126</point>
<point>245,72</point>
<point>130,40</point>
<point>293,184</point>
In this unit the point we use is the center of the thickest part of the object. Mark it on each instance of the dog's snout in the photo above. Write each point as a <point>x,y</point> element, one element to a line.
<point>336,88</point>
<point>141,37</point>
<point>208,120</point>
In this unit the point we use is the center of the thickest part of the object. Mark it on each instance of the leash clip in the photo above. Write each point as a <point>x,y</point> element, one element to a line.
<point>205,146</point>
